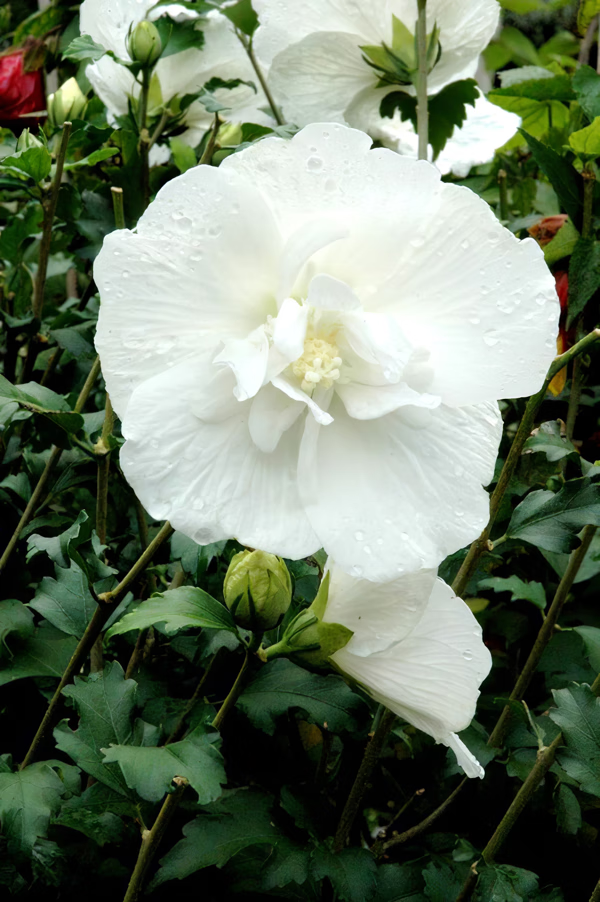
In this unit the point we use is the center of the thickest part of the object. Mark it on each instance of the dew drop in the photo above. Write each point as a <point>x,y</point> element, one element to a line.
<point>313,164</point>
<point>356,570</point>
<point>367,549</point>
<point>468,655</point>
<point>359,536</point>
<point>491,338</point>
<point>465,245</point>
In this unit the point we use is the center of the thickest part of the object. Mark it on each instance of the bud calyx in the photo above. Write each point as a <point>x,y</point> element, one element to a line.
<point>398,64</point>
<point>257,590</point>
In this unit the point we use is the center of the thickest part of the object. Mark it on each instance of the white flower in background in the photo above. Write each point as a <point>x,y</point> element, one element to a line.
<point>306,346</point>
<point>416,648</point>
<point>318,70</point>
<point>486,128</point>
<point>108,23</point>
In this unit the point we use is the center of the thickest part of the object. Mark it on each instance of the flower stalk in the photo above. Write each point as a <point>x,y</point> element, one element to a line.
<point>247,45</point>
<point>151,840</point>
<point>523,432</point>
<point>55,455</point>
<point>370,758</point>
<point>422,102</point>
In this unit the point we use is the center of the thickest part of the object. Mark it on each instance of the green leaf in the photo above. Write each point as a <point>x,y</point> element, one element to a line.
<point>563,244</point>
<point>505,883</point>
<point>586,142</point>
<point>448,110</point>
<point>591,640</point>
<point>15,620</point>
<point>399,883</point>
<point>83,48</point>
<point>46,654</point>
<point>21,227</point>
<point>587,10</point>
<point>440,882</point>
<point>520,590</point>
<point>95,814</point>
<point>35,162</point>
<point>66,602</point>
<point>179,36</point>
<point>195,559</point>
<point>578,716</point>
<point>552,521</point>
<point>289,863</point>
<point>183,155</point>
<point>238,821</point>
<point>584,276</point>
<point>97,156</point>
<point>565,180</point>
<point>105,703</point>
<point>28,798</point>
<point>549,440</point>
<point>568,810</point>
<point>150,771</point>
<point>538,116</point>
<point>243,16</point>
<point>39,399</point>
<point>38,24</point>
<point>555,88</point>
<point>62,549</point>
<point>177,609</point>
<point>282,685</point>
<point>586,84</point>
<point>351,872</point>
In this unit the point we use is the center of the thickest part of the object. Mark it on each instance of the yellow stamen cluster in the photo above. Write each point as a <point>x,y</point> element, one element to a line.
<point>319,365</point>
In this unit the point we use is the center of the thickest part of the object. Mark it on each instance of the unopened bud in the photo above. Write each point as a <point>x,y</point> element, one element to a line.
<point>257,590</point>
<point>66,104</point>
<point>307,638</point>
<point>26,140</point>
<point>145,45</point>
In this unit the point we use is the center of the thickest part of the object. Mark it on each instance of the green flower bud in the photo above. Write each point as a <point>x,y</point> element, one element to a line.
<point>307,639</point>
<point>26,141</point>
<point>145,45</point>
<point>257,590</point>
<point>67,104</point>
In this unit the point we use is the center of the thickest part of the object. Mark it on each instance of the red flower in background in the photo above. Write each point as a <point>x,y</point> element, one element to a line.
<point>21,91</point>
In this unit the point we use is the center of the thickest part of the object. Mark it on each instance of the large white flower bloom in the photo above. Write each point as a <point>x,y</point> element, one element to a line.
<point>108,23</point>
<point>486,128</point>
<point>306,345</point>
<point>416,648</point>
<point>317,68</point>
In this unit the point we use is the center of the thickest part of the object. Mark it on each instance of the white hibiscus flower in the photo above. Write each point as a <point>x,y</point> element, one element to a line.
<point>416,648</point>
<point>318,62</point>
<point>108,23</point>
<point>486,128</point>
<point>306,346</point>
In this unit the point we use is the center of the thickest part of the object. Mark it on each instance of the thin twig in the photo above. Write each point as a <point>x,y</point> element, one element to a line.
<point>545,634</point>
<point>207,155</point>
<point>234,694</point>
<point>142,562</point>
<point>370,758</point>
<point>587,43</point>
<point>525,426</point>
<point>425,823</point>
<point>247,45</point>
<point>179,728</point>
<point>55,454</point>
<point>151,840</point>
<point>422,101</point>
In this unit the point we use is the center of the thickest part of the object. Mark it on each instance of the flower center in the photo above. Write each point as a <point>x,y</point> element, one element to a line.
<point>319,364</point>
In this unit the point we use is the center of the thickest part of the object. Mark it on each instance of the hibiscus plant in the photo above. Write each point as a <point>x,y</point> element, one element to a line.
<point>300,450</point>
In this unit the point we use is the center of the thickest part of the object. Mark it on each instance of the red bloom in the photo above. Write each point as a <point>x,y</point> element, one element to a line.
<point>563,340</point>
<point>545,230</point>
<point>21,92</point>
<point>562,288</point>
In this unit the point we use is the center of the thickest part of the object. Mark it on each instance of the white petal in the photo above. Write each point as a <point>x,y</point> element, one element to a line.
<point>173,287</point>
<point>113,84</point>
<point>367,402</point>
<point>464,757</point>
<point>272,413</point>
<point>481,301</point>
<point>377,340</point>
<point>331,294</point>
<point>390,495</point>
<point>281,23</point>
<point>431,677</point>
<point>293,391</point>
<point>301,246</point>
<point>248,359</point>
<point>207,477</point>
<point>316,78</point>
<point>290,329</point>
<point>108,21</point>
<point>379,614</point>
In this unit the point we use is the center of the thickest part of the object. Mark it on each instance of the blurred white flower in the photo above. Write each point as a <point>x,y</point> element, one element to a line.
<point>108,23</point>
<point>317,58</point>
<point>416,648</point>
<point>486,128</point>
<point>306,346</point>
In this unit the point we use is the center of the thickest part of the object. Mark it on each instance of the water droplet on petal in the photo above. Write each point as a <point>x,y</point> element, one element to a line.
<point>359,536</point>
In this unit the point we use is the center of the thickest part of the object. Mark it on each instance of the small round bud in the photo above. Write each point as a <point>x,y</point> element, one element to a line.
<point>145,45</point>
<point>257,590</point>
<point>26,141</point>
<point>66,104</point>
